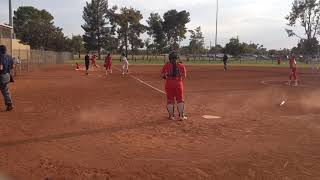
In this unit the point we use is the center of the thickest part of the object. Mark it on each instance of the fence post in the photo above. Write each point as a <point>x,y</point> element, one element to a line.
<point>28,59</point>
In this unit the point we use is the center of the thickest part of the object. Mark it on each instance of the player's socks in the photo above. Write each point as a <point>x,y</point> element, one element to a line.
<point>181,111</point>
<point>170,108</point>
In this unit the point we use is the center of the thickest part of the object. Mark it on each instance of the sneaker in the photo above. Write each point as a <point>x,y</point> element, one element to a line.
<point>183,118</point>
<point>296,83</point>
<point>9,108</point>
<point>172,118</point>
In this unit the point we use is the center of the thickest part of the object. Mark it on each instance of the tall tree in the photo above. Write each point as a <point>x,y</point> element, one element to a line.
<point>305,13</point>
<point>77,45</point>
<point>129,28</point>
<point>155,30</point>
<point>174,26</point>
<point>36,28</point>
<point>97,31</point>
<point>307,47</point>
<point>234,47</point>
<point>196,41</point>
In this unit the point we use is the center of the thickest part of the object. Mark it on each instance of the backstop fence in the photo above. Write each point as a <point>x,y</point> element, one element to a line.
<point>28,60</point>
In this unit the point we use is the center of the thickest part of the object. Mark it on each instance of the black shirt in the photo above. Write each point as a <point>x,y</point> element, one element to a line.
<point>87,59</point>
<point>225,58</point>
<point>7,63</point>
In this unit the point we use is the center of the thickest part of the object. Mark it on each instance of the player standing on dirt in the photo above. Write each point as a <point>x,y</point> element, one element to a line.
<point>225,61</point>
<point>94,61</point>
<point>279,60</point>
<point>6,65</point>
<point>87,62</point>
<point>125,64</point>
<point>293,71</point>
<point>174,73</point>
<point>108,64</point>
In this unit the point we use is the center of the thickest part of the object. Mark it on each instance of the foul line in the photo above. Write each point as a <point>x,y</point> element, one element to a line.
<point>142,82</point>
<point>283,83</point>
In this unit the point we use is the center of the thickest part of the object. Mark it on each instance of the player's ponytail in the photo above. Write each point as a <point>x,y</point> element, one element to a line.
<point>173,56</point>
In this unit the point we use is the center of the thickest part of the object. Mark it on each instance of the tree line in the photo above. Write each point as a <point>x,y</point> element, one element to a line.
<point>120,29</point>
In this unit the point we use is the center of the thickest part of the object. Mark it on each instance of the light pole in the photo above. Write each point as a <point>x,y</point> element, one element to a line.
<point>10,14</point>
<point>11,24</point>
<point>216,38</point>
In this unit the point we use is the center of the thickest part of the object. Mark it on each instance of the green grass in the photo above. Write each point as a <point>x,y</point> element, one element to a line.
<point>259,63</point>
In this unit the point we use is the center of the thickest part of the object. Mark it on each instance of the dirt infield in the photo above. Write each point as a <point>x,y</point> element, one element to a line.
<point>70,126</point>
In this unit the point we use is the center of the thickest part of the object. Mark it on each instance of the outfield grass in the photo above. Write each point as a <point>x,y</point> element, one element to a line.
<point>259,63</point>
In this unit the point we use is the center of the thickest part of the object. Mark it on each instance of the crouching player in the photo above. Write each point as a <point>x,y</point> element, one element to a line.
<point>108,64</point>
<point>174,74</point>
<point>293,71</point>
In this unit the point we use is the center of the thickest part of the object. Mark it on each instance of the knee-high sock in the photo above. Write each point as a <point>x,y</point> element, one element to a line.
<point>170,108</point>
<point>181,108</point>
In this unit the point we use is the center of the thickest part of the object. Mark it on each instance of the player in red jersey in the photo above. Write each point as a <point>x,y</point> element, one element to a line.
<point>94,61</point>
<point>293,71</point>
<point>108,64</point>
<point>174,73</point>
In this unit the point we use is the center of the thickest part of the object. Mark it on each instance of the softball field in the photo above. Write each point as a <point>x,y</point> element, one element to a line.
<point>70,126</point>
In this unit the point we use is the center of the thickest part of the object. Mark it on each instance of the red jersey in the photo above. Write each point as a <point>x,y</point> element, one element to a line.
<point>181,73</point>
<point>293,62</point>
<point>108,60</point>
<point>93,58</point>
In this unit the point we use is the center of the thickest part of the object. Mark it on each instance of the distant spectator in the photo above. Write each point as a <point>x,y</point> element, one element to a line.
<point>16,63</point>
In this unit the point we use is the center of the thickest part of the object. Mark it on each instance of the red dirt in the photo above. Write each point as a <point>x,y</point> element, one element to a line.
<point>70,126</point>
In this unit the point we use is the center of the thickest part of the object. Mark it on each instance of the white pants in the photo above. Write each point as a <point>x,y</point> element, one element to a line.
<point>125,66</point>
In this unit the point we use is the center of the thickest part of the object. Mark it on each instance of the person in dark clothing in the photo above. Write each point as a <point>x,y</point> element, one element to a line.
<point>87,62</point>
<point>225,61</point>
<point>6,65</point>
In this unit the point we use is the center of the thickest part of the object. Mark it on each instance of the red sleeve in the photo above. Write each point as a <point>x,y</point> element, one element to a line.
<point>164,69</point>
<point>183,71</point>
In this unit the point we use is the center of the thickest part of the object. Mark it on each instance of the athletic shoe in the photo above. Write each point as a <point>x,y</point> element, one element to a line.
<point>296,83</point>
<point>183,118</point>
<point>9,108</point>
<point>172,118</point>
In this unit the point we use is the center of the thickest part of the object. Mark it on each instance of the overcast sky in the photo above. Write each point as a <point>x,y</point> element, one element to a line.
<point>260,21</point>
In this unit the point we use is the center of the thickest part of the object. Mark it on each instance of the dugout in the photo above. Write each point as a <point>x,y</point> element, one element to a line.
<point>6,37</point>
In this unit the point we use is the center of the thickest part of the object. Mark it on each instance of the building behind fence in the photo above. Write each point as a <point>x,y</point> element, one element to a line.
<point>30,59</point>
<point>5,37</point>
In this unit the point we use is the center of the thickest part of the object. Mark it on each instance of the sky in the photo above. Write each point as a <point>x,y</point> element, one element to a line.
<point>258,21</point>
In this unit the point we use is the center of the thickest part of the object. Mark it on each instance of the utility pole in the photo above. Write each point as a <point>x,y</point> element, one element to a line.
<point>10,14</point>
<point>11,24</point>
<point>216,38</point>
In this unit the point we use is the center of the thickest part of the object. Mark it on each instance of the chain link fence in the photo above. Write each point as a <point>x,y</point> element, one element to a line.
<point>29,60</point>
